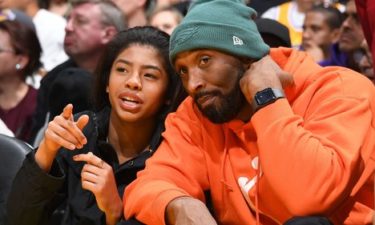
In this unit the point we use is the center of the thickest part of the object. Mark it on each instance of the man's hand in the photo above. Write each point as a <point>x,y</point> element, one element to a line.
<point>97,176</point>
<point>263,74</point>
<point>62,131</point>
<point>188,211</point>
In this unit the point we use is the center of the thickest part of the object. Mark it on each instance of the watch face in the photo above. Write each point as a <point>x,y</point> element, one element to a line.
<point>265,96</point>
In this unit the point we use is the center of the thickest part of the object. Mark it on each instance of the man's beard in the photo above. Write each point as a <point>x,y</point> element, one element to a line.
<point>225,107</point>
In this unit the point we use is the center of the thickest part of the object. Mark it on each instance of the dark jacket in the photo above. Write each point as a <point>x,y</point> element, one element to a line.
<point>43,96</point>
<point>35,194</point>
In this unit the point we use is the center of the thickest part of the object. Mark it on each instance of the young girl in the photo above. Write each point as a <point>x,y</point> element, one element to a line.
<point>89,159</point>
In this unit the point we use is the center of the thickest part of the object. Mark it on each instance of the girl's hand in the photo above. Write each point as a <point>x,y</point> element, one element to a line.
<point>62,131</point>
<point>97,176</point>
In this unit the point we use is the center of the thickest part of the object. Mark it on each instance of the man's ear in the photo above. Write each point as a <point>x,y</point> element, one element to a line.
<point>108,33</point>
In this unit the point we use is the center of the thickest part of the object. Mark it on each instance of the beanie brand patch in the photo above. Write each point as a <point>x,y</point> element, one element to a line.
<point>237,41</point>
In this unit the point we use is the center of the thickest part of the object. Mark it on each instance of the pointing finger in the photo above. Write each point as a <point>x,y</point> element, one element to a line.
<point>67,112</point>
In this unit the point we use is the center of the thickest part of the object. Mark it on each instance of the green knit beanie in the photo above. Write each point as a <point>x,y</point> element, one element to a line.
<point>223,25</point>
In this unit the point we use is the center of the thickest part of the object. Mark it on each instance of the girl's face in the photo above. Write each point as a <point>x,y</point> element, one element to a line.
<point>137,84</point>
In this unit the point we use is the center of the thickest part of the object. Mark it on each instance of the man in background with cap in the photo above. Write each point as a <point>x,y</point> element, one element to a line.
<point>273,33</point>
<point>272,136</point>
<point>90,26</point>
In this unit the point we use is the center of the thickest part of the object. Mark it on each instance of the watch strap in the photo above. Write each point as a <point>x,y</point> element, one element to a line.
<point>265,97</point>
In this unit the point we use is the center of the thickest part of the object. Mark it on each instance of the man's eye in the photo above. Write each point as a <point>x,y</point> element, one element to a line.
<point>182,71</point>
<point>204,60</point>
<point>315,28</point>
<point>79,21</point>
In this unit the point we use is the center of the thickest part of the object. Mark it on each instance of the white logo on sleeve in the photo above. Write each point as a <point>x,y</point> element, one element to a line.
<point>237,41</point>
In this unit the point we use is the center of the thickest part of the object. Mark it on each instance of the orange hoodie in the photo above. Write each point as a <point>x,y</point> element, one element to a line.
<point>315,151</point>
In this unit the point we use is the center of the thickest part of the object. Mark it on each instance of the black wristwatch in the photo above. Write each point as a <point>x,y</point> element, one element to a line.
<point>266,97</point>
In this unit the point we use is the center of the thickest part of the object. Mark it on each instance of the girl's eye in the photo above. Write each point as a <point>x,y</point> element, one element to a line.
<point>149,75</point>
<point>121,69</point>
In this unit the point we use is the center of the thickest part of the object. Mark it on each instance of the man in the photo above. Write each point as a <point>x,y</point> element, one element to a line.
<point>366,9</point>
<point>262,5</point>
<point>91,25</point>
<point>365,61</point>
<point>270,134</point>
<point>291,14</point>
<point>273,33</point>
<point>321,29</point>
<point>49,29</point>
<point>351,34</point>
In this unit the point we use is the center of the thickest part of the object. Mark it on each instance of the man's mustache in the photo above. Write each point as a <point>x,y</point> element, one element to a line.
<point>201,94</point>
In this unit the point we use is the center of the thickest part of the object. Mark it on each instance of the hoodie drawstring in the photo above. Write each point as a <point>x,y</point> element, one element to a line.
<point>223,161</point>
<point>256,194</point>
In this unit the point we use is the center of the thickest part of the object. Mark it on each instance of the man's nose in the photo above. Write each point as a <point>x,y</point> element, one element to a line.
<point>195,81</point>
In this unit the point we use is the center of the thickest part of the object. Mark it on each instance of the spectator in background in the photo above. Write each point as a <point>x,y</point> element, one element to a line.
<point>91,25</point>
<point>291,14</point>
<point>351,35</point>
<point>365,61</point>
<point>59,7</point>
<point>15,14</point>
<point>321,29</point>
<point>20,53</point>
<point>164,3</point>
<point>261,6</point>
<point>366,12</point>
<point>165,19</point>
<point>181,5</point>
<point>5,130</point>
<point>49,29</point>
<point>135,11</point>
<point>273,33</point>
